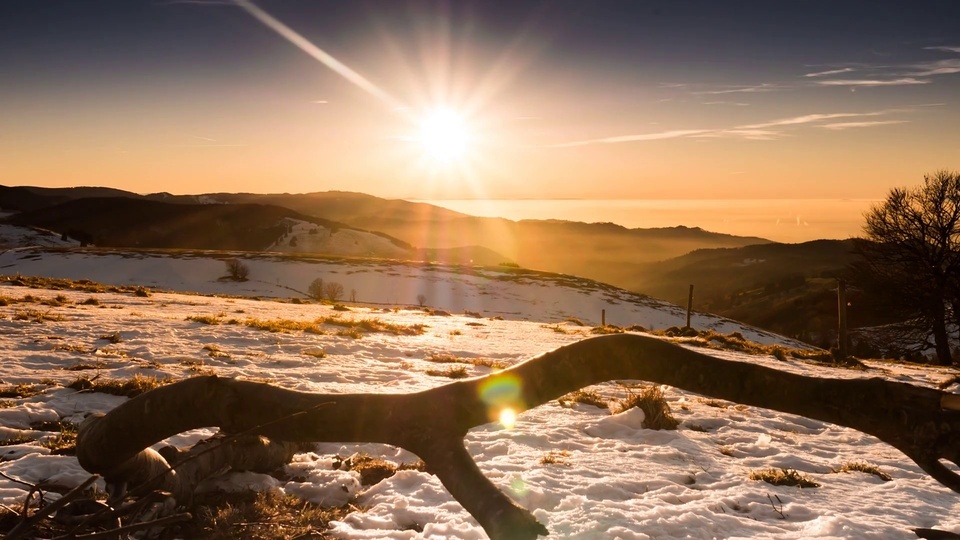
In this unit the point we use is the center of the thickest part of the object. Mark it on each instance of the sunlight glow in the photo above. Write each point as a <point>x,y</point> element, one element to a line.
<point>444,135</point>
<point>508,418</point>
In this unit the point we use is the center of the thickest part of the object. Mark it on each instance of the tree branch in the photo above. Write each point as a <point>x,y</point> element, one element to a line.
<point>432,423</point>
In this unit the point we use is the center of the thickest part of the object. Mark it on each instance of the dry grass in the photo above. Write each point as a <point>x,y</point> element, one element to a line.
<point>256,516</point>
<point>556,458</point>
<point>586,397</point>
<point>131,387</point>
<point>446,358</point>
<point>654,405</point>
<point>64,443</point>
<point>205,319</point>
<point>316,353</point>
<point>18,439</point>
<point>458,372</point>
<point>372,470</point>
<point>859,466</point>
<point>112,338</point>
<point>37,316</point>
<point>608,329</point>
<point>783,477</point>
<point>21,390</point>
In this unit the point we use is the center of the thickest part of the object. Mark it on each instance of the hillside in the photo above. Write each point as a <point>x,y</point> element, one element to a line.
<point>601,251</point>
<point>786,288</point>
<point>585,471</point>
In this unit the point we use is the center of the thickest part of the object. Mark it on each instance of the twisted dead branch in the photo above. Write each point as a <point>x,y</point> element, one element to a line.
<point>922,423</point>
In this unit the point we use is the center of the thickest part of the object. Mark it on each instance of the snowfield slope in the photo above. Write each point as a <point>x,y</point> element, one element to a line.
<point>584,472</point>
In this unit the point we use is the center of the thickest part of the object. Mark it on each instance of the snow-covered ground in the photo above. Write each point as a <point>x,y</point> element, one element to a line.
<point>614,479</point>
<point>306,237</point>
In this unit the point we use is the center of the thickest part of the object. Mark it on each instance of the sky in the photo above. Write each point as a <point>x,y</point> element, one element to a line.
<point>521,99</point>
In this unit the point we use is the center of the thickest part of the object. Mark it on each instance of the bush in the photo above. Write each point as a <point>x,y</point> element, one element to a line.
<point>237,270</point>
<point>315,289</point>
<point>421,300</point>
<point>333,291</point>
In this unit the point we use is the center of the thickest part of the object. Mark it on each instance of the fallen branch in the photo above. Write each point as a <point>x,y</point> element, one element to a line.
<point>432,423</point>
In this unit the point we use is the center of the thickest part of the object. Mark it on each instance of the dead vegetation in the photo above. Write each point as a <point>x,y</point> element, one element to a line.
<point>131,387</point>
<point>586,397</point>
<point>651,401</point>
<point>783,477</point>
<point>860,466</point>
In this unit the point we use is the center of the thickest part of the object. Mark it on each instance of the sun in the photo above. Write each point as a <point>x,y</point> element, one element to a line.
<point>444,135</point>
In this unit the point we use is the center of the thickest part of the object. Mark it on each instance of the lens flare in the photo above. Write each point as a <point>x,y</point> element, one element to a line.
<point>503,397</point>
<point>508,418</point>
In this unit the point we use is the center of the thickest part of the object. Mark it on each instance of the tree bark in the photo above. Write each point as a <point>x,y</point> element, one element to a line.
<point>941,338</point>
<point>432,423</point>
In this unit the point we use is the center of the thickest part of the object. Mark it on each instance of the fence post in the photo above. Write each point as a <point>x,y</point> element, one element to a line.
<point>603,317</point>
<point>689,305</point>
<point>842,319</point>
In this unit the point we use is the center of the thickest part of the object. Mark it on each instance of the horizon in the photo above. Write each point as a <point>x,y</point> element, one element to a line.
<point>481,100</point>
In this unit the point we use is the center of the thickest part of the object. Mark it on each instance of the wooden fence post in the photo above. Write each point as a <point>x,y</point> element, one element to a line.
<point>689,305</point>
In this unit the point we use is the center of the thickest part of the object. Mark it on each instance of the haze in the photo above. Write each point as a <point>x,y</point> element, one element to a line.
<point>561,99</point>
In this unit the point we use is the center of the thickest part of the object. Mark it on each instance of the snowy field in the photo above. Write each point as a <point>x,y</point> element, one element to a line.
<point>584,472</point>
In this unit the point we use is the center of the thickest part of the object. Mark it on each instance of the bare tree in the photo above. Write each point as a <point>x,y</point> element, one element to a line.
<point>333,291</point>
<point>237,270</point>
<point>421,300</point>
<point>911,255</point>
<point>315,289</point>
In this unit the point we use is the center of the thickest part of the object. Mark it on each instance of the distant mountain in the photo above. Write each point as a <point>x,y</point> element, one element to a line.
<point>785,288</point>
<point>24,198</point>
<point>602,251</point>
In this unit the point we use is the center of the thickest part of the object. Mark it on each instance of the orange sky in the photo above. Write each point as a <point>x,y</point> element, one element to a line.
<point>575,100</point>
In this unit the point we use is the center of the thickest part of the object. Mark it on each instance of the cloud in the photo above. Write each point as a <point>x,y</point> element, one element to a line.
<point>764,87</point>
<point>830,72</point>
<point>849,125</point>
<point>738,133</point>
<point>945,49</point>
<point>752,132</point>
<point>320,101</point>
<point>873,82</point>
<point>940,67</point>
<point>632,138</point>
<point>735,103</point>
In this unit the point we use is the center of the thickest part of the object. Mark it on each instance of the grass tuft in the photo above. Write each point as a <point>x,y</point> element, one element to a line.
<point>556,458</point>
<point>261,516</point>
<point>859,466</point>
<point>584,396</point>
<point>458,372</point>
<point>131,387</point>
<point>651,401</point>
<point>783,477</point>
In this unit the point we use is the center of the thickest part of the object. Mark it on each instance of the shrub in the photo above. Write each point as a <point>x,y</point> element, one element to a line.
<point>333,291</point>
<point>315,289</point>
<point>656,412</point>
<point>237,270</point>
<point>141,292</point>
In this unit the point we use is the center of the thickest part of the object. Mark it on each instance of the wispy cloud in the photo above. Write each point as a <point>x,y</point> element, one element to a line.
<point>747,89</point>
<point>738,133</point>
<point>633,138</point>
<point>734,103</point>
<point>873,82</point>
<point>754,132</point>
<point>849,125</point>
<point>320,101</point>
<point>829,72</point>
<point>208,139</point>
<point>810,118</point>
<point>945,49</point>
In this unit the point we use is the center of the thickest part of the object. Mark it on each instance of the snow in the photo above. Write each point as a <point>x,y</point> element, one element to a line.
<point>614,479</point>
<point>306,237</point>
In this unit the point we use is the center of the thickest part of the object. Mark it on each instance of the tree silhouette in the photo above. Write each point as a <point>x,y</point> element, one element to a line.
<point>911,256</point>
